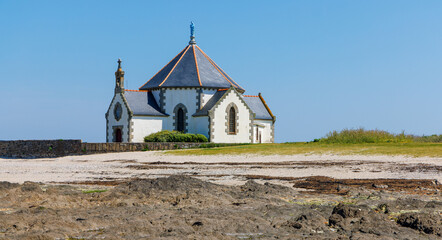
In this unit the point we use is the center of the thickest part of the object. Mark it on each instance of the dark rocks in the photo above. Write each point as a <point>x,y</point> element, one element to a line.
<point>7,185</point>
<point>347,211</point>
<point>311,221</point>
<point>172,183</point>
<point>427,223</point>
<point>31,187</point>
<point>179,206</point>
<point>197,224</point>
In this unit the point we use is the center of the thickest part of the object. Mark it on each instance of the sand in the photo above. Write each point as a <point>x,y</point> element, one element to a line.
<point>224,169</point>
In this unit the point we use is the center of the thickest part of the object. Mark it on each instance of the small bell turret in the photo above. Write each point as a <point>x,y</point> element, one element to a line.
<point>119,79</point>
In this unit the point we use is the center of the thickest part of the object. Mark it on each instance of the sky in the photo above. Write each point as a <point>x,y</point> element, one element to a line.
<point>320,65</point>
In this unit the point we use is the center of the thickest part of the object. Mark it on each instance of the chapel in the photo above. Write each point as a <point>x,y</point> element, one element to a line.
<point>191,94</point>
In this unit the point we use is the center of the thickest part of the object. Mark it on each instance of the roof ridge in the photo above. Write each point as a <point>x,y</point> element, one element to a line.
<point>216,65</point>
<point>196,64</point>
<point>165,66</point>
<point>250,95</point>
<point>265,105</point>
<point>187,48</point>
<point>224,74</point>
<point>131,90</point>
<point>210,60</point>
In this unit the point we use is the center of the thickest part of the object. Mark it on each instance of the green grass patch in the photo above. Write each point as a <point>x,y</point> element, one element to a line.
<point>415,149</point>
<point>361,135</point>
<point>94,191</point>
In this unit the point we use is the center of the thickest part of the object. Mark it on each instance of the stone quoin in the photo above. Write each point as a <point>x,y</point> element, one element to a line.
<point>191,94</point>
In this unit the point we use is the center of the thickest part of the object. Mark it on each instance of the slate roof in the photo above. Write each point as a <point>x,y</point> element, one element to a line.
<point>142,103</point>
<point>191,68</point>
<point>257,105</point>
<point>209,105</point>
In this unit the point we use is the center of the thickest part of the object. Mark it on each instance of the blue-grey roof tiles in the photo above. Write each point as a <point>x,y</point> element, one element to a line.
<point>258,108</point>
<point>143,103</point>
<point>254,102</point>
<point>191,68</point>
<point>209,105</point>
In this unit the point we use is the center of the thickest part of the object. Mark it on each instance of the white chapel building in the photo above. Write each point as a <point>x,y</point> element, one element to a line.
<point>191,94</point>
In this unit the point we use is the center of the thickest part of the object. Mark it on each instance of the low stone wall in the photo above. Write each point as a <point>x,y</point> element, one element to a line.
<point>39,148</point>
<point>59,148</point>
<point>88,148</point>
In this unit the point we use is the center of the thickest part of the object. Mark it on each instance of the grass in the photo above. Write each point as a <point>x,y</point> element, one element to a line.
<point>345,142</point>
<point>94,191</point>
<point>361,135</point>
<point>415,149</point>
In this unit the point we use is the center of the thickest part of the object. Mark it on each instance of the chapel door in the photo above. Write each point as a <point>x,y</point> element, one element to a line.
<point>118,135</point>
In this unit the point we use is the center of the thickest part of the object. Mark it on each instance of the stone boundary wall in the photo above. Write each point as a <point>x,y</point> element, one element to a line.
<point>59,148</point>
<point>39,148</point>
<point>88,148</point>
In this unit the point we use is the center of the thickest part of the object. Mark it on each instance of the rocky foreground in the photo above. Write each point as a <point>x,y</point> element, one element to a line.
<point>181,207</point>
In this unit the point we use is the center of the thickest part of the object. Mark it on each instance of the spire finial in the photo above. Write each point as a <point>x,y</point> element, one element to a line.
<point>192,34</point>
<point>119,63</point>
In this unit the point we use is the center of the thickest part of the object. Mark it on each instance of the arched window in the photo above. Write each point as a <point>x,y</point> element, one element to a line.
<point>232,121</point>
<point>180,120</point>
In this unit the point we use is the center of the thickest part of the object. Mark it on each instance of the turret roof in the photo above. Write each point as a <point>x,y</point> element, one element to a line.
<point>191,68</point>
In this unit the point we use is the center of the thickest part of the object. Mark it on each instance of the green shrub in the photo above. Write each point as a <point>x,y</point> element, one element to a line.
<point>365,136</point>
<point>175,136</point>
<point>433,138</point>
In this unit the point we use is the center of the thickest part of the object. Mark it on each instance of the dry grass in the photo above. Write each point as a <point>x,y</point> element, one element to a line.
<point>411,149</point>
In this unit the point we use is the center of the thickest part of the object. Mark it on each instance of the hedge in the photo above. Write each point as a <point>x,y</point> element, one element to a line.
<point>175,136</point>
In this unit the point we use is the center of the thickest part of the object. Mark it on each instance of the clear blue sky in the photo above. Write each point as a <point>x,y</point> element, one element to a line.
<point>320,65</point>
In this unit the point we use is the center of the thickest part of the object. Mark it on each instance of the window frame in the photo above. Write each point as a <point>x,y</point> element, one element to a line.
<point>232,128</point>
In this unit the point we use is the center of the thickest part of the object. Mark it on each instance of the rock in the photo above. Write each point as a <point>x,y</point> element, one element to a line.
<point>310,221</point>
<point>427,223</point>
<point>172,183</point>
<point>7,185</point>
<point>335,219</point>
<point>197,223</point>
<point>31,187</point>
<point>347,211</point>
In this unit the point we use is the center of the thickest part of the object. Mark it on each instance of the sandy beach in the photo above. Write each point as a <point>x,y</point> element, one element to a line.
<point>223,169</point>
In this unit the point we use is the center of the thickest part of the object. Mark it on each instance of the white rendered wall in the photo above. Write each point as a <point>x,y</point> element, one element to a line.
<point>199,125</point>
<point>187,97</point>
<point>124,120</point>
<point>265,129</point>
<point>219,134</point>
<point>145,125</point>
